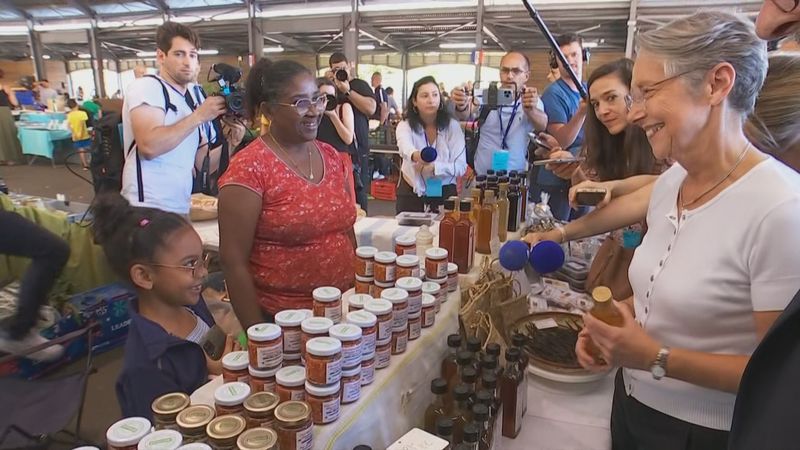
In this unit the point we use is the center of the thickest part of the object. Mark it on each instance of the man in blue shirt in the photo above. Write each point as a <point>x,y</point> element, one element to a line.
<point>565,115</point>
<point>506,128</point>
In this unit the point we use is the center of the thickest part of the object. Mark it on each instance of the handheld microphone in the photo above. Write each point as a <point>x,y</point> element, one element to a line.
<point>547,257</point>
<point>514,255</point>
<point>428,154</point>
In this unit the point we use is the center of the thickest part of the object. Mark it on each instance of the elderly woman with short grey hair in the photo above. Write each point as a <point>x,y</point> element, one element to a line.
<point>719,261</point>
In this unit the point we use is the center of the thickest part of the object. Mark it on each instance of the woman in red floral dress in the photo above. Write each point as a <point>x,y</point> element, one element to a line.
<point>286,213</point>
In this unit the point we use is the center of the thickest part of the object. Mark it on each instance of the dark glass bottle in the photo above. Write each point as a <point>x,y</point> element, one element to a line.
<point>518,341</point>
<point>489,364</point>
<point>511,394</point>
<point>460,414</point>
<point>523,192</point>
<point>480,416</point>
<point>444,429</point>
<point>493,349</point>
<point>492,184</point>
<point>449,364</point>
<point>469,376</point>
<point>513,207</point>
<point>447,227</point>
<point>439,407</point>
<point>474,346</point>
<point>472,432</point>
<point>502,173</point>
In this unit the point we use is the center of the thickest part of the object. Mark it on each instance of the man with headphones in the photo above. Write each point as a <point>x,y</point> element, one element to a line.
<point>566,112</point>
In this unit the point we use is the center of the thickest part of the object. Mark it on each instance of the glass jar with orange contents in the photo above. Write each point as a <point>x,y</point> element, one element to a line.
<point>223,431</point>
<point>262,380</point>
<point>350,337</point>
<point>258,439</point>
<point>377,288</point>
<point>328,303</point>
<point>405,245</point>
<point>385,267</point>
<point>428,310</point>
<point>414,288</point>
<point>290,384</point>
<point>166,409</point>
<point>289,320</point>
<point>384,315</point>
<point>365,260</point>
<point>260,409</point>
<point>161,440</point>
<point>265,345</point>
<point>364,285</point>
<point>433,289</point>
<point>351,384</point>
<point>414,326</point>
<point>323,361</point>
<point>383,353</point>
<point>436,263</point>
<point>369,329</point>
<point>294,426</point>
<point>399,341</point>
<point>442,282</point>
<point>452,277</point>
<point>234,367</point>
<point>367,369</point>
<point>356,302</point>
<point>229,398</point>
<point>407,266</point>
<point>325,402</point>
<point>126,433</point>
<point>313,327</point>
<point>192,422</point>
<point>399,300</point>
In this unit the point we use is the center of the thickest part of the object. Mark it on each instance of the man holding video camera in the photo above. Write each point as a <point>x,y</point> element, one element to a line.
<point>168,127</point>
<point>360,95</point>
<point>507,126</point>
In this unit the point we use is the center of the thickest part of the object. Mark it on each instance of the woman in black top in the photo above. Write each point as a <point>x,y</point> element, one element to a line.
<point>337,126</point>
<point>10,151</point>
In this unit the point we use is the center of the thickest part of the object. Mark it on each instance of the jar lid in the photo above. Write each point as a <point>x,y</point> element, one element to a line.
<point>128,432</point>
<point>231,394</point>
<point>261,402</point>
<point>326,294</point>
<point>195,446</point>
<point>436,253</point>
<point>226,427</point>
<point>258,439</point>
<point>363,319</point>
<point>409,283</point>
<point>236,360</point>
<point>195,416</point>
<point>395,295</point>
<point>359,299</point>
<point>430,287</point>
<point>258,373</point>
<point>406,240</point>
<point>408,260</point>
<point>367,357</point>
<point>384,285</point>
<point>161,440</point>
<point>601,294</point>
<point>292,376</point>
<point>378,307</point>
<point>415,315</point>
<point>309,313</point>
<point>263,332</point>
<point>323,391</point>
<point>292,413</point>
<point>169,404</point>
<point>366,252</point>
<point>365,279</point>
<point>290,318</point>
<point>440,281</point>
<point>316,325</point>
<point>385,257</point>
<point>323,346</point>
<point>352,371</point>
<point>428,300</point>
<point>452,268</point>
<point>345,332</point>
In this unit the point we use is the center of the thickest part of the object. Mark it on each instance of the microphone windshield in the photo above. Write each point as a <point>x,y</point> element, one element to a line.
<point>428,154</point>
<point>514,255</point>
<point>547,257</point>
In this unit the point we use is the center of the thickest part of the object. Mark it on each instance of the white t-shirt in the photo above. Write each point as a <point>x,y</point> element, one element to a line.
<point>451,158</point>
<point>697,282</point>
<point>516,137</point>
<point>167,179</point>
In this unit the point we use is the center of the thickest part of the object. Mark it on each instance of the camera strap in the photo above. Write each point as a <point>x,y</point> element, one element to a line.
<point>504,134</point>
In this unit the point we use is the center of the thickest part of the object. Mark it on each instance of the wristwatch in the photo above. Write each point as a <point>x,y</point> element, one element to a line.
<point>659,367</point>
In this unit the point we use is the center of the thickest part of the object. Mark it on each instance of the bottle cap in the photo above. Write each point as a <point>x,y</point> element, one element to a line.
<point>464,357</point>
<point>493,349</point>
<point>469,375</point>
<point>439,386</point>
<point>601,294</point>
<point>473,344</point>
<point>512,354</point>
<point>466,205</point>
<point>461,392</point>
<point>453,340</point>
<point>444,427</point>
<point>471,432</point>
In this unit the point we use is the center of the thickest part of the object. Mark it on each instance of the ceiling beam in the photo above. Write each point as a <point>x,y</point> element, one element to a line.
<point>290,42</point>
<point>427,41</point>
<point>83,7</point>
<point>491,31</point>
<point>383,38</point>
<point>8,4</point>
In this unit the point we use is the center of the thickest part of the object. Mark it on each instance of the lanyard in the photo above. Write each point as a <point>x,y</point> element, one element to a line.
<point>425,134</point>
<point>510,122</point>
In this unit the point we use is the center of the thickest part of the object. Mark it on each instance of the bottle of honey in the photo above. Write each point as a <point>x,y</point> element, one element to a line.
<point>503,207</point>
<point>477,198</point>
<point>486,224</point>
<point>450,362</point>
<point>464,245</point>
<point>512,390</point>
<point>518,341</point>
<point>604,310</point>
<point>447,227</point>
<point>438,408</point>
<point>460,414</point>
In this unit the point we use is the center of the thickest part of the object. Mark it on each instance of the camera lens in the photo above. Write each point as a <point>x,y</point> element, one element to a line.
<point>236,102</point>
<point>342,75</point>
<point>331,105</point>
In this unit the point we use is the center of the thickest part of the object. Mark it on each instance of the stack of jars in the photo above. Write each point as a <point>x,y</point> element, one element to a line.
<point>365,269</point>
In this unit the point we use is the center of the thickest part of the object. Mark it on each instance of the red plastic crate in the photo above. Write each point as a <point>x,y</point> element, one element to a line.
<point>384,190</point>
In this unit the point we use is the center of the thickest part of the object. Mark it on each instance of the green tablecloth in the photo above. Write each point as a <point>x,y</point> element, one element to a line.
<point>86,268</point>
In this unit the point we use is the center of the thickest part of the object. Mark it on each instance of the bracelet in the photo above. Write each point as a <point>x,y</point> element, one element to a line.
<point>563,232</point>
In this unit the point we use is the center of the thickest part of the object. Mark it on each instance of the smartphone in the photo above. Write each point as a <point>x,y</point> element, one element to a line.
<point>214,343</point>
<point>542,162</point>
<point>590,196</point>
<point>538,142</point>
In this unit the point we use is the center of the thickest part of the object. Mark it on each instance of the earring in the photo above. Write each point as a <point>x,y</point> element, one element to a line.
<point>416,110</point>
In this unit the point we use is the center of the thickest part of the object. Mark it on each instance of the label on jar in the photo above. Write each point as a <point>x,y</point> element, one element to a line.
<point>382,357</point>
<point>406,250</point>
<point>428,317</point>
<point>452,283</point>
<point>414,304</point>
<point>385,329</point>
<point>263,386</point>
<point>351,391</point>
<point>330,410</point>
<point>400,318</point>
<point>389,274</point>
<point>369,266</point>
<point>334,313</point>
<point>414,329</point>
<point>351,356</point>
<point>270,356</point>
<point>439,269</point>
<point>368,343</point>
<point>304,439</point>
<point>400,343</point>
<point>367,374</point>
<point>292,341</point>
<point>299,395</point>
<point>243,379</point>
<point>333,371</point>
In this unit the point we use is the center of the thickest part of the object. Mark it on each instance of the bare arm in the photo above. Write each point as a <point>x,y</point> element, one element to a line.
<point>239,209</point>
<point>363,103</point>
<point>537,117</point>
<point>344,126</point>
<point>566,133</point>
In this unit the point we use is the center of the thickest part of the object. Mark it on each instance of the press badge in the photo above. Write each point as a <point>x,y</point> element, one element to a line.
<point>433,187</point>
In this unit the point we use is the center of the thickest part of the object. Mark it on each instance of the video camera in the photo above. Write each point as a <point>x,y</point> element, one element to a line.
<point>495,95</point>
<point>228,76</point>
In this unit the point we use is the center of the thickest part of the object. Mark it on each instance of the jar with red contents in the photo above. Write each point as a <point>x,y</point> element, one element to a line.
<point>260,409</point>
<point>294,426</point>
<point>377,289</point>
<point>350,337</point>
<point>384,315</point>
<point>289,320</point>
<point>328,303</point>
<point>365,261</point>
<point>325,402</point>
<point>312,328</point>
<point>367,369</point>
<point>262,380</point>
<point>126,433</point>
<point>405,245</point>
<point>414,288</point>
<point>442,288</point>
<point>356,302</point>
<point>433,289</point>
<point>407,266</point>
<point>351,384</point>
<point>229,398</point>
<point>265,345</point>
<point>292,360</point>
<point>369,329</point>
<point>290,384</point>
<point>323,361</point>
<point>234,367</point>
<point>399,341</point>
<point>428,310</point>
<point>452,277</point>
<point>399,300</point>
<point>385,265</point>
<point>364,285</point>
<point>383,353</point>
<point>414,325</point>
<point>436,263</point>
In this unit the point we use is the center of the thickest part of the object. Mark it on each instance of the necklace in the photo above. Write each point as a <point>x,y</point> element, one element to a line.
<point>716,185</point>
<point>294,163</point>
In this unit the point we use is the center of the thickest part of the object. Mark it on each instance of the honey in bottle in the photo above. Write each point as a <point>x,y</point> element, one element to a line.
<point>449,363</point>
<point>474,345</point>
<point>438,408</point>
<point>463,360</point>
<point>487,228</point>
<point>464,246</point>
<point>447,227</point>
<point>472,434</point>
<point>460,414</point>
<point>469,376</point>
<point>518,342</point>
<point>477,199</point>
<point>444,429</point>
<point>604,310</point>
<point>502,207</point>
<point>512,391</point>
<point>480,416</point>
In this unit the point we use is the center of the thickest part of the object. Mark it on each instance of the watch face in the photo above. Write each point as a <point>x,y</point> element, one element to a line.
<point>658,372</point>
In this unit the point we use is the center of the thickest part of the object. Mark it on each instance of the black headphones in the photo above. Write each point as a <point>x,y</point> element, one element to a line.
<point>586,55</point>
